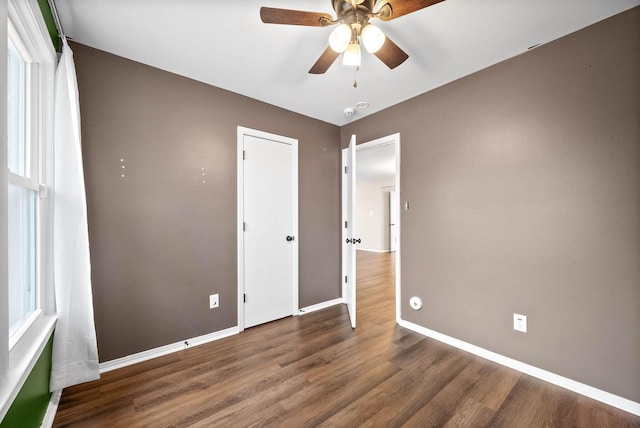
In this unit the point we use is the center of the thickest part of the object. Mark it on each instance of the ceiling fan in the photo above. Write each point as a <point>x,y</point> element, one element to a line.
<point>353,18</point>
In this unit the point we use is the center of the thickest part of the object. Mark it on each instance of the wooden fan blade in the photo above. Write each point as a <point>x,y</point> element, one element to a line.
<point>391,54</point>
<point>404,7</point>
<point>270,15</point>
<point>324,62</point>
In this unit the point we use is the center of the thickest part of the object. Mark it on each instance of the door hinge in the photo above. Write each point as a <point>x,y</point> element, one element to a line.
<point>244,298</point>
<point>345,224</point>
<point>345,169</point>
<point>345,279</point>
<point>244,226</point>
<point>244,155</point>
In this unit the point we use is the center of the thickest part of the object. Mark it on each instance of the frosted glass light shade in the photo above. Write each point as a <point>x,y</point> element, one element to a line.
<point>340,38</point>
<point>352,55</point>
<point>372,38</point>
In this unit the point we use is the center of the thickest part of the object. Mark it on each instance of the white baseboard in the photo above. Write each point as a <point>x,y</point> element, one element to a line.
<point>561,381</point>
<point>372,251</point>
<point>167,349</point>
<point>52,408</point>
<point>319,306</point>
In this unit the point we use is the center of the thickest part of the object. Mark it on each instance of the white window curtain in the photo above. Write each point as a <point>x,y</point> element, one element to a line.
<point>75,352</point>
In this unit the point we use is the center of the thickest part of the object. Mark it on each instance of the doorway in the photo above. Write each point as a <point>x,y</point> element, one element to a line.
<point>378,190</point>
<point>267,227</point>
<point>376,165</point>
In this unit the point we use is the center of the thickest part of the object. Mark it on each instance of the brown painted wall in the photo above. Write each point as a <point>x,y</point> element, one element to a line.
<point>524,190</point>
<point>161,239</point>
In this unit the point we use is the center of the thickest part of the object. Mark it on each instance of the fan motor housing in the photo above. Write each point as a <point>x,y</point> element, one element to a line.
<point>344,7</point>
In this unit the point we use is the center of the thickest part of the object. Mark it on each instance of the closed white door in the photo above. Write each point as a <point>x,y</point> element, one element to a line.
<point>269,228</point>
<point>349,228</point>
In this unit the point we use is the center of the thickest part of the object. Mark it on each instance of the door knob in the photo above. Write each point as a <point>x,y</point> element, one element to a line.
<point>357,241</point>
<point>348,241</point>
<point>289,238</point>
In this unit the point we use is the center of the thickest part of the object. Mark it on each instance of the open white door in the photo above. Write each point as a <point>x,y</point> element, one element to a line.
<point>349,228</point>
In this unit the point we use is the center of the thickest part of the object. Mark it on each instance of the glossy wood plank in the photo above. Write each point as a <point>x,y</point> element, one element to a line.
<point>314,370</point>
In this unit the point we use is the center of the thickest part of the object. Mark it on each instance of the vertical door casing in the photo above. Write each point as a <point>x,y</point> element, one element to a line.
<point>394,206</point>
<point>267,215</point>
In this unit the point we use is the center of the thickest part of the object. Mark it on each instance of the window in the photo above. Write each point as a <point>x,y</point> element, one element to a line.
<point>25,236</point>
<point>16,107</point>
<point>23,207</point>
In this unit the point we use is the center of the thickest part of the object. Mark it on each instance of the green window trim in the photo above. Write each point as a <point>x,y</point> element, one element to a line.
<point>30,405</point>
<point>47,14</point>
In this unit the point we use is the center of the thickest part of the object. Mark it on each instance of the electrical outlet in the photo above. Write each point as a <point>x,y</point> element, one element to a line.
<point>520,322</point>
<point>214,301</point>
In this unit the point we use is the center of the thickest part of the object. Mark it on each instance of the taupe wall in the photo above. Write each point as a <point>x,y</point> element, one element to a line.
<point>524,189</point>
<point>161,239</point>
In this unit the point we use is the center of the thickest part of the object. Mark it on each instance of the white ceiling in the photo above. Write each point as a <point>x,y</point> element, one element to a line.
<point>224,43</point>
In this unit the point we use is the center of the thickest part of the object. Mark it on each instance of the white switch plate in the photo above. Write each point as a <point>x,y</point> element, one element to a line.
<point>520,322</point>
<point>214,301</point>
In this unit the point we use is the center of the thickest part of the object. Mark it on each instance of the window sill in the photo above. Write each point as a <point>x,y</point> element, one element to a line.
<point>24,328</point>
<point>22,359</point>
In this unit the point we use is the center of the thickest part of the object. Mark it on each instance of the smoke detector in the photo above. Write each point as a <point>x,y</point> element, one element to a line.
<point>349,111</point>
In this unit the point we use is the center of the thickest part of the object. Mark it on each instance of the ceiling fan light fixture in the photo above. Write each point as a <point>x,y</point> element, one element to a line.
<point>372,38</point>
<point>340,38</point>
<point>352,55</point>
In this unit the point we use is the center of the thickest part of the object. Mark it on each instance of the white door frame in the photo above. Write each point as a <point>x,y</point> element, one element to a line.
<point>242,131</point>
<point>394,202</point>
<point>391,139</point>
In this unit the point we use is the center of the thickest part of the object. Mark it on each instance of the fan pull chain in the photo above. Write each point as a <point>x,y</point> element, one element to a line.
<point>355,81</point>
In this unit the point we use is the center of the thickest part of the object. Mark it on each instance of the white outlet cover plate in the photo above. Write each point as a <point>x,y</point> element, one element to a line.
<point>520,322</point>
<point>214,301</point>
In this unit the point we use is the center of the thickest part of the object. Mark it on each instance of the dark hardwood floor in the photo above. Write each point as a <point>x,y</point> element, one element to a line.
<point>314,370</point>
